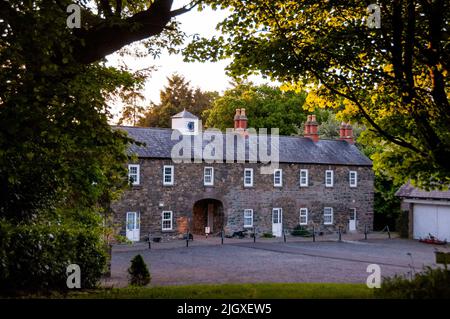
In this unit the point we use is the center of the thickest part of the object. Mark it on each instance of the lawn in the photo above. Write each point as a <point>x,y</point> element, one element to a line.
<point>235,291</point>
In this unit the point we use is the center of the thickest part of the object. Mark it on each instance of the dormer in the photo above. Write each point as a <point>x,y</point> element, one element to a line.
<point>185,122</point>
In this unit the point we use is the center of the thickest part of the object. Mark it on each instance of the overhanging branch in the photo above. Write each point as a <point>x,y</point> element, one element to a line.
<point>184,9</point>
<point>106,8</point>
<point>351,97</point>
<point>106,38</point>
<point>396,140</point>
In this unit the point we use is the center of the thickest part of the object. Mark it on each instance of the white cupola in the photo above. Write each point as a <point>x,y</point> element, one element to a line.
<point>185,122</point>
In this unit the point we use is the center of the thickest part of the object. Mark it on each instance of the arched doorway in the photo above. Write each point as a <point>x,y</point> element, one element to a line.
<point>207,213</point>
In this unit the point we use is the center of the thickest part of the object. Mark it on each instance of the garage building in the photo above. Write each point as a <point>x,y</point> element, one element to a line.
<point>429,212</point>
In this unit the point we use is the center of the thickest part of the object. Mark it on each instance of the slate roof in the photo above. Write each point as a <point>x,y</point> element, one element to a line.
<point>409,191</point>
<point>292,149</point>
<point>185,114</point>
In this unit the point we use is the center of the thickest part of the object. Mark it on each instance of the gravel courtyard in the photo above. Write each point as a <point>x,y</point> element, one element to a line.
<point>242,261</point>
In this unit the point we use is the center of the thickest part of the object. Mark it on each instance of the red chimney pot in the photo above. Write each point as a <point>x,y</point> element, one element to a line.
<point>311,128</point>
<point>237,118</point>
<point>243,120</point>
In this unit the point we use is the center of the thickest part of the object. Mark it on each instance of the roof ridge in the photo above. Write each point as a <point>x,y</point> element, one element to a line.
<point>144,127</point>
<point>170,129</point>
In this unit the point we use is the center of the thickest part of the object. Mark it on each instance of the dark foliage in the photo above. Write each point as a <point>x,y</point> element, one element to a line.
<point>138,272</point>
<point>429,284</point>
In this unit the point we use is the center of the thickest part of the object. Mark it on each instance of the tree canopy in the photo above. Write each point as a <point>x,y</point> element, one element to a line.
<point>60,162</point>
<point>132,97</point>
<point>394,78</point>
<point>176,96</point>
<point>54,88</point>
<point>106,25</point>
<point>265,106</point>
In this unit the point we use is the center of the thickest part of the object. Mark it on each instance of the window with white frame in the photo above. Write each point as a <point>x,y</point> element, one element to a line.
<point>328,216</point>
<point>278,178</point>
<point>303,177</point>
<point>133,220</point>
<point>208,176</point>
<point>329,178</point>
<point>248,217</point>
<point>133,174</point>
<point>248,177</point>
<point>303,216</point>
<point>168,175</point>
<point>166,220</point>
<point>353,178</point>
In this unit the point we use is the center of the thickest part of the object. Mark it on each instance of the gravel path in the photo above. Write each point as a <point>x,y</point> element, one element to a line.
<point>272,261</point>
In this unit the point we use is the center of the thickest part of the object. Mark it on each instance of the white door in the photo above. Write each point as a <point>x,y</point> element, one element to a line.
<point>444,223</point>
<point>425,221</point>
<point>133,226</point>
<point>277,217</point>
<point>352,220</point>
<point>431,219</point>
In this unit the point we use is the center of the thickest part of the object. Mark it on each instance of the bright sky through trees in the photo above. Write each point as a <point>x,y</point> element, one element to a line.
<point>208,76</point>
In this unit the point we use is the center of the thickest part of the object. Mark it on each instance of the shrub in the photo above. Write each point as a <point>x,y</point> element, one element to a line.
<point>34,256</point>
<point>138,272</point>
<point>301,231</point>
<point>268,235</point>
<point>402,224</point>
<point>429,284</point>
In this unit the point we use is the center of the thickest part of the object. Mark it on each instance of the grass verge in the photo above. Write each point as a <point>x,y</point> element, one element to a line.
<point>235,291</point>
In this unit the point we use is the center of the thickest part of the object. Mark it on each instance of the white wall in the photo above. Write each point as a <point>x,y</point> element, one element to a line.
<point>181,125</point>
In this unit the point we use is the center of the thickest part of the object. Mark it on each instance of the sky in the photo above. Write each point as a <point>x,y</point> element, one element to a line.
<point>207,76</point>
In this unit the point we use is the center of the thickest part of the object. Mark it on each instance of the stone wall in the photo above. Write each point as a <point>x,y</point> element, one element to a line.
<point>150,198</point>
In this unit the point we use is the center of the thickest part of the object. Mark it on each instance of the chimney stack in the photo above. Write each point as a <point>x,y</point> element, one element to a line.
<point>243,120</point>
<point>346,133</point>
<point>237,119</point>
<point>307,126</point>
<point>342,129</point>
<point>311,128</point>
<point>240,122</point>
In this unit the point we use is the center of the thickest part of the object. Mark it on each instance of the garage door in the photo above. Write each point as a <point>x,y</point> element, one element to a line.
<point>432,219</point>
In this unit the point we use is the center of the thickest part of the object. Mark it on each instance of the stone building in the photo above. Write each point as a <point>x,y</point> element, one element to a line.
<point>325,183</point>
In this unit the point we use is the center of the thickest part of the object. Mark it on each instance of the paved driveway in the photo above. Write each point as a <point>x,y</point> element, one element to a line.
<point>269,261</point>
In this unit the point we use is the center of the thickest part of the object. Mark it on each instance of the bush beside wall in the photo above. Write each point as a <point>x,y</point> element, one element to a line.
<point>34,256</point>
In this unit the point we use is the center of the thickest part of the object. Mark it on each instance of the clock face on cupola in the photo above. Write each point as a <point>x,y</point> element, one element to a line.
<point>185,122</point>
<point>190,126</point>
